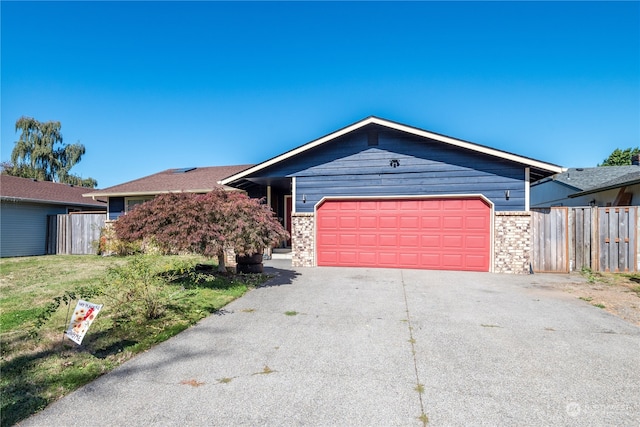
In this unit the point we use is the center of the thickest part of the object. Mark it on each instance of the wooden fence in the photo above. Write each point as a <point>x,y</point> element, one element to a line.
<point>74,234</point>
<point>572,238</point>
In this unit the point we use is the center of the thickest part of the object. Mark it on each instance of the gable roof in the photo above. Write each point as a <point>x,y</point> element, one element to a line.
<point>583,179</point>
<point>631,177</point>
<point>190,180</point>
<point>538,169</point>
<point>13,188</point>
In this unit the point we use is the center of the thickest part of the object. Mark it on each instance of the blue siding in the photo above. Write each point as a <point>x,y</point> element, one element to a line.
<point>348,166</point>
<point>23,229</point>
<point>116,207</point>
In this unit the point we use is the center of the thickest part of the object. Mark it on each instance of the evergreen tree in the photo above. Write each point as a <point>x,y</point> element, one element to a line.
<point>620,157</point>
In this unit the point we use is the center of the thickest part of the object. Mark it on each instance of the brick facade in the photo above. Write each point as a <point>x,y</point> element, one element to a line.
<point>512,242</point>
<point>302,239</point>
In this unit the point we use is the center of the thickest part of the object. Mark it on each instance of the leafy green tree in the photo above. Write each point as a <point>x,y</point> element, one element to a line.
<point>620,157</point>
<point>204,224</point>
<point>41,154</point>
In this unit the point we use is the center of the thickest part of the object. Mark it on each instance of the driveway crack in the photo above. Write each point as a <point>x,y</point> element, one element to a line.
<point>419,386</point>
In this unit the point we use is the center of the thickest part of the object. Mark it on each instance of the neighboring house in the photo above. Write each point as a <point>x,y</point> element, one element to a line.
<point>123,197</point>
<point>24,207</point>
<point>382,194</point>
<point>599,186</point>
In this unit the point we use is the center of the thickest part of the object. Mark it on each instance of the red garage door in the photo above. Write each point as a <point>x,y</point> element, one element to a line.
<point>436,234</point>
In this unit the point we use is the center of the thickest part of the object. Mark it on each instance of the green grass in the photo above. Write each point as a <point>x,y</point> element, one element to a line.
<point>38,366</point>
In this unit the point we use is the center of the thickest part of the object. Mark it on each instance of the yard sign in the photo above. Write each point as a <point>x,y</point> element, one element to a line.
<point>84,314</point>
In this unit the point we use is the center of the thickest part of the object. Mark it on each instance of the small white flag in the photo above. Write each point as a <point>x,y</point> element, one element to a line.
<point>84,314</point>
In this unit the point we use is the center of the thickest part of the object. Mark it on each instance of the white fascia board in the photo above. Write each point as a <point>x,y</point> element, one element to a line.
<point>471,146</point>
<point>402,128</point>
<point>298,150</point>
<point>408,197</point>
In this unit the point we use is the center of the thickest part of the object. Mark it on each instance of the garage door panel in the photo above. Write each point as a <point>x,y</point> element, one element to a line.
<point>368,222</point>
<point>406,205</point>
<point>368,206</point>
<point>431,222</point>
<point>348,240</point>
<point>388,221</point>
<point>476,242</point>
<point>430,241</point>
<point>388,240</point>
<point>453,204</point>
<point>368,240</point>
<point>348,206</point>
<point>409,241</point>
<point>409,260</point>
<point>388,259</point>
<point>450,234</point>
<point>453,242</point>
<point>348,257</point>
<point>367,258</point>
<point>409,222</point>
<point>475,261</point>
<point>328,239</point>
<point>386,205</point>
<point>330,257</point>
<point>348,221</point>
<point>453,222</point>
<point>475,223</point>
<point>431,205</point>
<point>430,260</point>
<point>328,222</point>
<point>452,261</point>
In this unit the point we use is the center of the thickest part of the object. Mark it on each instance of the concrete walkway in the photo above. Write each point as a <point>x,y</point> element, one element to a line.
<point>367,347</point>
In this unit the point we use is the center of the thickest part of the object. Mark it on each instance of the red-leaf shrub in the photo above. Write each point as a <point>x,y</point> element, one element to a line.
<point>205,224</point>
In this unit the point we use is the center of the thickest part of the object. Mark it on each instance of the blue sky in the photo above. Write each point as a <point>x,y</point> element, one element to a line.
<point>148,86</point>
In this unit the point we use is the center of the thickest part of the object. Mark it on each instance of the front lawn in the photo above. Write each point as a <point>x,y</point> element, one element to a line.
<point>147,299</point>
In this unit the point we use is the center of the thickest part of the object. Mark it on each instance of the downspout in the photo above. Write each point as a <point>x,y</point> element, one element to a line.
<point>527,186</point>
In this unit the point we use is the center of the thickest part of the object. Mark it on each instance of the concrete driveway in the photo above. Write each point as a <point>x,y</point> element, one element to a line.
<point>363,347</point>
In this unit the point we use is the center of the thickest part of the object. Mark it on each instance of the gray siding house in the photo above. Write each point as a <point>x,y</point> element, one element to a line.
<point>25,205</point>
<point>600,186</point>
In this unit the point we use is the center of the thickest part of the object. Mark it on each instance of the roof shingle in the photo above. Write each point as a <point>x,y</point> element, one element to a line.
<point>588,178</point>
<point>25,189</point>
<point>198,180</point>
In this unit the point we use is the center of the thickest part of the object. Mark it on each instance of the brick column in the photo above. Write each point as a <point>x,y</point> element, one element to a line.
<point>302,239</point>
<point>512,242</point>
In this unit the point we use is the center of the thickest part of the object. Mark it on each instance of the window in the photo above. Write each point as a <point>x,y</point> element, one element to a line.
<point>131,202</point>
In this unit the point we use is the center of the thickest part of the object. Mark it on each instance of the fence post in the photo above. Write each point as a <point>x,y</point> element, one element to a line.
<point>595,239</point>
<point>571,238</point>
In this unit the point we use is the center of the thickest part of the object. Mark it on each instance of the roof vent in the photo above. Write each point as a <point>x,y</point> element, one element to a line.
<point>183,170</point>
<point>579,169</point>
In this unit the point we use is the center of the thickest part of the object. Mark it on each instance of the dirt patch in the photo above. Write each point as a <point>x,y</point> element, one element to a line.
<point>619,294</point>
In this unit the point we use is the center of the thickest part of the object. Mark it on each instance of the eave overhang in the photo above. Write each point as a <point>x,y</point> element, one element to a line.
<point>538,168</point>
